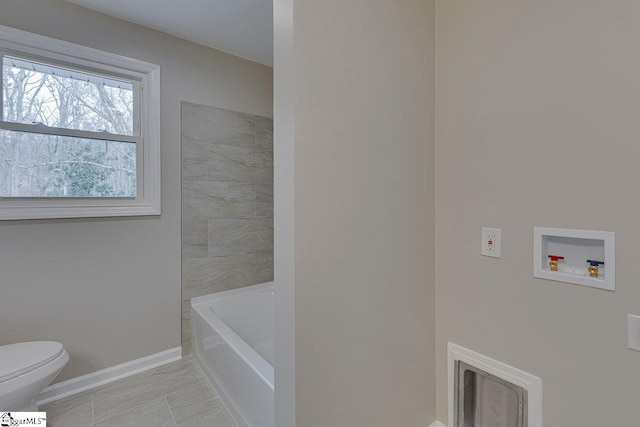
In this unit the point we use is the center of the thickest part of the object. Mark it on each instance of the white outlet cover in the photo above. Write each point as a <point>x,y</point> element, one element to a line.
<point>491,242</point>
<point>633,332</point>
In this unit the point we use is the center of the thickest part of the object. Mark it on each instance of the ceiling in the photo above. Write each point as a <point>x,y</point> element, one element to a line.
<point>240,27</point>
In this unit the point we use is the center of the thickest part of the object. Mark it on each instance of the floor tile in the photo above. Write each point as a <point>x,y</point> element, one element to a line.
<point>69,412</point>
<point>174,395</point>
<point>193,403</point>
<point>136,390</point>
<point>151,414</point>
<point>220,418</point>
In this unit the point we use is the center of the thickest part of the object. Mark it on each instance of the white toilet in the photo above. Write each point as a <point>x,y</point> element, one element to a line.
<point>25,370</point>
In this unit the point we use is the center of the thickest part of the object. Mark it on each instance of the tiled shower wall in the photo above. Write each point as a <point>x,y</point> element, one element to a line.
<point>227,203</point>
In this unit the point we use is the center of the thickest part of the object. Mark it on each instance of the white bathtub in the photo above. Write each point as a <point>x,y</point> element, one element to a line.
<point>233,339</point>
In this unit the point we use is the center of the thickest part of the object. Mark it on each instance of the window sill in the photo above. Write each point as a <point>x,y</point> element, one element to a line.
<point>87,208</point>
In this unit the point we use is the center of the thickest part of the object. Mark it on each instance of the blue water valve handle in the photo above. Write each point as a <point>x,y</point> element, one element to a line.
<point>593,267</point>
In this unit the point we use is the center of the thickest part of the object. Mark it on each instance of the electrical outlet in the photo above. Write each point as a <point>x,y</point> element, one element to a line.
<point>490,242</point>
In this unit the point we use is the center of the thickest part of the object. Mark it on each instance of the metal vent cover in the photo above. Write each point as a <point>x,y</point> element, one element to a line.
<point>484,400</point>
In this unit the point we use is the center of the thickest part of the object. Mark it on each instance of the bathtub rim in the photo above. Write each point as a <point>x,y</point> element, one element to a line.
<point>202,306</point>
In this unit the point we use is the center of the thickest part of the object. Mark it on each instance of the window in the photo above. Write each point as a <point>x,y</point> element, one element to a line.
<point>79,131</point>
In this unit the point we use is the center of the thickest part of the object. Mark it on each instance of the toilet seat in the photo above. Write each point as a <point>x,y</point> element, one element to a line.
<point>18,359</point>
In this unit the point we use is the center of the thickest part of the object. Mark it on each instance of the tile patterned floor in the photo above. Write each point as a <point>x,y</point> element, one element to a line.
<point>173,395</point>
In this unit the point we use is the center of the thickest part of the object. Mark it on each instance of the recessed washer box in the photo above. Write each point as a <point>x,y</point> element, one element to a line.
<point>577,247</point>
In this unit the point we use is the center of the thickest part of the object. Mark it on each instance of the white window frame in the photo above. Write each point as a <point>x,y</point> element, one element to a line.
<point>147,76</point>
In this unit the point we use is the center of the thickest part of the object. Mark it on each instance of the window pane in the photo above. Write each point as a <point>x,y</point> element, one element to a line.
<point>39,165</point>
<point>35,92</point>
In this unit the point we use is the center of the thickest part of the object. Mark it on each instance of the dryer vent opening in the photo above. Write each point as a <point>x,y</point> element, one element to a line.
<point>484,400</point>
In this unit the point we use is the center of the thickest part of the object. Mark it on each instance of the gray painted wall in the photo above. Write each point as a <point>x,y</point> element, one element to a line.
<point>537,118</point>
<point>227,203</point>
<point>109,289</point>
<point>364,96</point>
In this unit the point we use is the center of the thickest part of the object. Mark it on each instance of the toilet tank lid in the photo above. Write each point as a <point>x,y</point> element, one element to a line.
<point>18,359</point>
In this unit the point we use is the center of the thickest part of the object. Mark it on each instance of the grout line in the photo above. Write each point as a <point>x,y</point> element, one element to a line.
<point>170,411</point>
<point>215,394</point>
<point>176,391</point>
<point>204,380</point>
<point>199,369</point>
<point>144,403</point>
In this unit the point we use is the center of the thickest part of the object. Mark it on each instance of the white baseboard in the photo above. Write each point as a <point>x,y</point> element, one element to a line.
<point>105,376</point>
<point>437,424</point>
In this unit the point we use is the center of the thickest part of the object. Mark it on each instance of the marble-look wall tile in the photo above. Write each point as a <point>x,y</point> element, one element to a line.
<point>204,200</point>
<point>187,347</point>
<point>229,164</point>
<point>227,203</point>
<point>186,325</point>
<point>264,200</point>
<point>216,126</point>
<point>203,276</point>
<point>264,234</point>
<point>263,129</point>
<point>239,164</point>
<point>261,170</point>
<point>264,267</point>
<point>231,237</point>
<point>195,238</point>
<point>195,159</point>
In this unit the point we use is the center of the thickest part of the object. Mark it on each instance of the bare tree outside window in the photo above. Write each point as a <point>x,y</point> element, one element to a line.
<point>36,164</point>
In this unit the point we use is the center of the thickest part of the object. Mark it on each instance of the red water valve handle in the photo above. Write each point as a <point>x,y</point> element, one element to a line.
<point>555,257</point>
